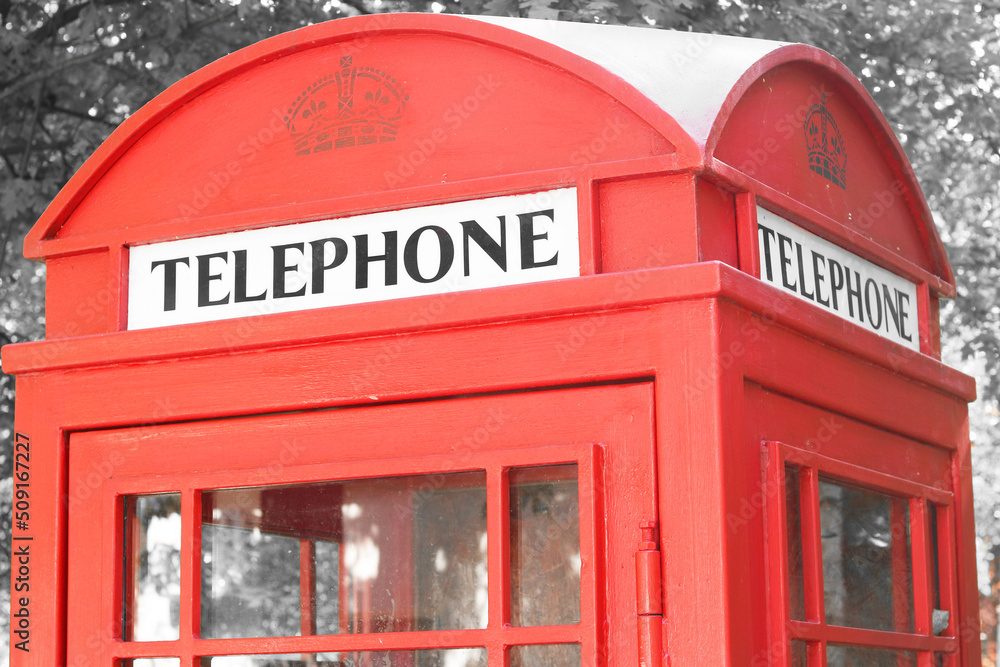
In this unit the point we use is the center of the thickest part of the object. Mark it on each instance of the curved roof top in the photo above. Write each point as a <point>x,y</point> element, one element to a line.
<point>689,89</point>
<point>689,75</point>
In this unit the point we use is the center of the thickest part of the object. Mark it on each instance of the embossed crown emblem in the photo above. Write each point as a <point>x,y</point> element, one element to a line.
<point>356,106</point>
<point>827,153</point>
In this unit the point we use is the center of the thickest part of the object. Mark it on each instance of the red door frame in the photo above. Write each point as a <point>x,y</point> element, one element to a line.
<point>617,486</point>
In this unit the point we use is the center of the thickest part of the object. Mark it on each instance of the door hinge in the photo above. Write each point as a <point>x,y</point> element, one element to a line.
<point>649,596</point>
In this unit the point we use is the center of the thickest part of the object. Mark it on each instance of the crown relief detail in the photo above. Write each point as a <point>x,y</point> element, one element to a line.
<point>356,106</point>
<point>825,144</point>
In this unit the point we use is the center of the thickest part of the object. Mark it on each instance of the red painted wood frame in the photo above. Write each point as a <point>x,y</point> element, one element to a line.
<point>612,446</point>
<point>814,630</point>
<point>708,337</point>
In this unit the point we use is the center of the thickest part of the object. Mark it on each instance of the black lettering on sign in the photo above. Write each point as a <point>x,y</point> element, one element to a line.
<point>836,281</point>
<point>241,280</point>
<point>496,251</point>
<point>282,268</point>
<point>319,265</point>
<point>768,235</point>
<point>819,262</point>
<point>786,261</point>
<point>866,295</point>
<point>169,280</point>
<point>528,238</point>
<point>363,259</point>
<point>206,278</point>
<point>446,254</point>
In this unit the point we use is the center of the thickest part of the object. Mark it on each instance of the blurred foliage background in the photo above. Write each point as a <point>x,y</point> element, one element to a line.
<point>72,70</point>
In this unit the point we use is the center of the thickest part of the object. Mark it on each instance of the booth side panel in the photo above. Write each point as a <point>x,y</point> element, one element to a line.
<point>717,238</point>
<point>648,221</point>
<point>692,511</point>
<point>742,490</point>
<point>850,420</point>
<point>38,534</point>
<point>965,535</point>
<point>82,294</point>
<point>820,374</point>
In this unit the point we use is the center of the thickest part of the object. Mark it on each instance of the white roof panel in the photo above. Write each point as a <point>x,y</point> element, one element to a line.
<point>687,74</point>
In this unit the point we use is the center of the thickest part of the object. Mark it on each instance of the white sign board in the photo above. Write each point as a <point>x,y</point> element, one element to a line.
<point>837,280</point>
<point>418,251</point>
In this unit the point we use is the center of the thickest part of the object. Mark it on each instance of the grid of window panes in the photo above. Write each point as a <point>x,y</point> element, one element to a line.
<point>329,559</point>
<point>862,572</point>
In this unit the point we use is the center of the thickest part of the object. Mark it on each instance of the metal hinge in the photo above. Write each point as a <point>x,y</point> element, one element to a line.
<point>649,597</point>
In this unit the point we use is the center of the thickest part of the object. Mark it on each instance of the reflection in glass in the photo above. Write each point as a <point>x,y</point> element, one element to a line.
<point>152,662</point>
<point>152,567</point>
<point>454,657</point>
<point>544,546</point>
<point>859,656</point>
<point>372,555</point>
<point>549,655</point>
<point>793,528</point>
<point>800,654</point>
<point>867,579</point>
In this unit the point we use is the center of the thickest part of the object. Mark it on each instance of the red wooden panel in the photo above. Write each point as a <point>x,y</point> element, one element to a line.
<point>82,295</point>
<point>648,222</point>
<point>766,138</point>
<point>822,434</point>
<point>717,227</point>
<point>458,107</point>
<point>447,435</point>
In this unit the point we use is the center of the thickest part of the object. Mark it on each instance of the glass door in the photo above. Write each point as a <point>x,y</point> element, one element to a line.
<point>456,533</point>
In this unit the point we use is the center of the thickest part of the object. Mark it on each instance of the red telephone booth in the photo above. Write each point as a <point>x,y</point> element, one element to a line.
<point>423,340</point>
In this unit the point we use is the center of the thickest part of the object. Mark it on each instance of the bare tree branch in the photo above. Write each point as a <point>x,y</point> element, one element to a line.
<point>64,16</point>
<point>356,4</point>
<point>81,115</point>
<point>27,80</point>
<point>70,63</point>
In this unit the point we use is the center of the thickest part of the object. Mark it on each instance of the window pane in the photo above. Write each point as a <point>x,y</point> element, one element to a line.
<point>375,555</point>
<point>152,567</point>
<point>454,657</point>
<point>544,546</point>
<point>549,655</point>
<point>800,654</point>
<point>793,529</point>
<point>152,662</point>
<point>866,558</point>
<point>858,656</point>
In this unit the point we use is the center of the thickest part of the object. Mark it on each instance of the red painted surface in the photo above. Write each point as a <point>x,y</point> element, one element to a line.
<point>674,377</point>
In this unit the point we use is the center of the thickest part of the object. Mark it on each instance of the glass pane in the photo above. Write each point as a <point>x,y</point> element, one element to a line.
<point>800,654</point>
<point>547,655</point>
<point>152,567</point>
<point>793,530</point>
<point>867,580</point>
<point>372,555</point>
<point>152,662</point>
<point>454,657</point>
<point>858,656</point>
<point>544,546</point>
